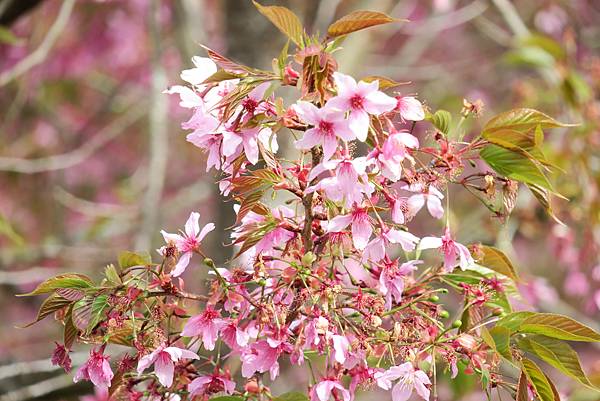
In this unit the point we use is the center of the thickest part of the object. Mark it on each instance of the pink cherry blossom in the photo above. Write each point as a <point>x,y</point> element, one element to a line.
<point>260,357</point>
<point>341,346</point>
<point>360,99</point>
<point>187,242</point>
<point>410,108</point>
<point>428,194</point>
<point>409,379</point>
<point>361,226</point>
<point>328,125</point>
<point>394,151</point>
<point>349,184</point>
<point>164,359</point>
<point>322,391</point>
<point>204,68</point>
<point>391,280</point>
<point>234,336</point>
<point>207,325</point>
<point>376,249</point>
<point>96,369</point>
<point>208,385</point>
<point>451,250</point>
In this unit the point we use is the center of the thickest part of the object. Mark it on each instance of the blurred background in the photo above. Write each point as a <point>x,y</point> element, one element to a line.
<point>93,161</point>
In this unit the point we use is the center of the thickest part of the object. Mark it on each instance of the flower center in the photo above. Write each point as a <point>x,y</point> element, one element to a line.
<point>326,127</point>
<point>356,102</point>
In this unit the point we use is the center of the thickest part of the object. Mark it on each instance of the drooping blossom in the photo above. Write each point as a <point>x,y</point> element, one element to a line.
<point>376,249</point>
<point>60,357</point>
<point>430,195</point>
<point>96,369</point>
<point>246,140</point>
<point>164,359</point>
<point>211,384</point>
<point>361,226</point>
<point>360,99</point>
<point>409,379</point>
<point>187,242</point>
<point>328,124</point>
<point>410,108</point>
<point>391,280</point>
<point>322,391</point>
<point>393,152</point>
<point>454,253</point>
<point>206,325</point>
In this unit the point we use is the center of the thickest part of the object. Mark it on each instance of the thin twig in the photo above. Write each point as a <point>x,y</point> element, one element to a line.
<point>40,54</point>
<point>79,155</point>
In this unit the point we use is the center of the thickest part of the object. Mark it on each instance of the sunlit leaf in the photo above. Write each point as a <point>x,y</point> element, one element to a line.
<point>67,280</point>
<point>357,20</point>
<point>285,20</point>
<point>495,259</point>
<point>131,259</point>
<point>521,120</point>
<point>514,165</point>
<point>539,381</point>
<point>558,326</point>
<point>501,337</point>
<point>441,119</point>
<point>291,396</point>
<point>556,353</point>
<point>50,305</point>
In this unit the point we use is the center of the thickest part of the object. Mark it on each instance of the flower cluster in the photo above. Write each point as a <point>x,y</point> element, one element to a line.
<point>329,276</point>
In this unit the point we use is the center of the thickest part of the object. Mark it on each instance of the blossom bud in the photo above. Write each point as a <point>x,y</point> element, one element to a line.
<point>456,324</point>
<point>444,314</point>
<point>434,298</point>
<point>498,311</point>
<point>209,262</point>
<point>308,259</point>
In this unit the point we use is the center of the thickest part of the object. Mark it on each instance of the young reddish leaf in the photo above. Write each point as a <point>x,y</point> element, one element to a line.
<point>70,332</point>
<point>520,120</point>
<point>543,197</point>
<point>248,203</point>
<point>539,381</point>
<point>497,261</point>
<point>384,83</point>
<point>522,388</point>
<point>67,280</point>
<point>50,305</point>
<point>285,20</point>
<point>557,354</point>
<point>358,20</point>
<point>72,294</point>
<point>221,75</point>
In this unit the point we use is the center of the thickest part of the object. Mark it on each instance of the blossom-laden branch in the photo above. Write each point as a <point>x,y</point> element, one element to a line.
<point>321,274</point>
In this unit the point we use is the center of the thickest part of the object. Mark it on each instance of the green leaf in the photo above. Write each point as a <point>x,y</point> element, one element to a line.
<point>358,20</point>
<point>130,259</point>
<point>112,275</point>
<point>546,43</point>
<point>50,305</point>
<point>291,396</point>
<point>557,354</point>
<point>514,165</point>
<point>99,305</point>
<point>221,75</point>
<point>522,120</point>
<point>67,280</point>
<point>530,56</point>
<point>441,119</point>
<point>558,326</point>
<point>496,260</point>
<point>227,398</point>
<point>539,381</point>
<point>501,337</point>
<point>513,321</point>
<point>285,20</point>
